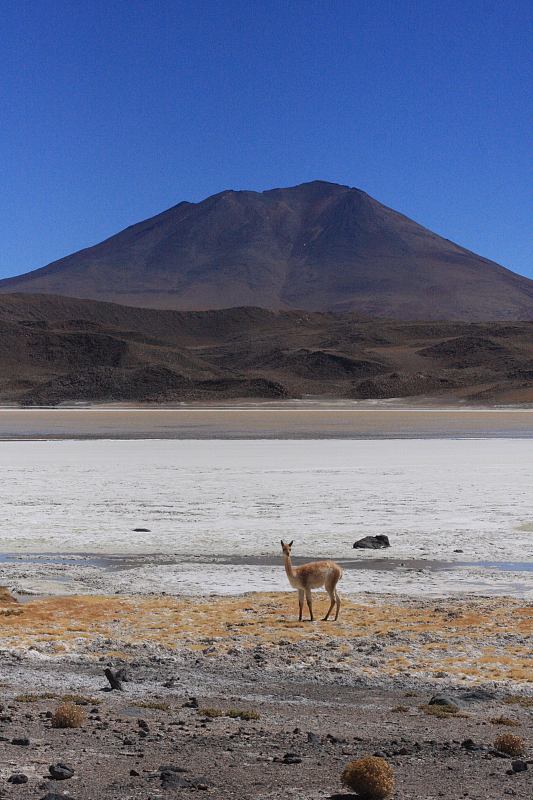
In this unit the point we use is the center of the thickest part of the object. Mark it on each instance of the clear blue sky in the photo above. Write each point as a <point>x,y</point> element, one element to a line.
<point>113,110</point>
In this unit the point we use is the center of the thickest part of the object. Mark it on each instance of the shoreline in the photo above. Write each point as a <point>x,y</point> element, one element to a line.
<point>47,574</point>
<point>303,421</point>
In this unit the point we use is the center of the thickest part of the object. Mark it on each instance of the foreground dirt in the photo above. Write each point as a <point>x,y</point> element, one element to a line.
<point>265,687</point>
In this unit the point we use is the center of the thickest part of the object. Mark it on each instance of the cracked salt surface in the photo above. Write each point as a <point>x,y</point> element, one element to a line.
<point>237,499</point>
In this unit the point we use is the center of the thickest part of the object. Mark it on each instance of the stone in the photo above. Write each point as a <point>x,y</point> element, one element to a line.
<point>60,772</point>
<point>469,744</point>
<point>171,780</point>
<point>55,796</point>
<point>373,542</point>
<point>17,778</point>
<point>518,766</point>
<point>291,758</point>
<point>23,741</point>
<point>443,700</point>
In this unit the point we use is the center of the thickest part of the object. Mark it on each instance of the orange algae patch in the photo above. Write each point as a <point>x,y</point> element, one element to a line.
<point>77,622</point>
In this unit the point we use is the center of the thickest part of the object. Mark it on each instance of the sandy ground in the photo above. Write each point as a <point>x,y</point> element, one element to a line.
<point>326,693</point>
<point>290,420</point>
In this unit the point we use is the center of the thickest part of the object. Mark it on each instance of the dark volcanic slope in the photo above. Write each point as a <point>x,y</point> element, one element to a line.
<point>318,246</point>
<point>55,349</point>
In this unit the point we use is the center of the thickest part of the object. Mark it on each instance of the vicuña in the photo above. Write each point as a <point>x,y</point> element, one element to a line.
<point>313,576</point>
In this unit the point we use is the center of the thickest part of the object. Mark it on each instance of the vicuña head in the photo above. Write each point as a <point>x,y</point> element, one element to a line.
<point>313,576</point>
<point>286,547</point>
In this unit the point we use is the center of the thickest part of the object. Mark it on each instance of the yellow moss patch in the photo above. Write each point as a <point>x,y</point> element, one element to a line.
<point>197,623</point>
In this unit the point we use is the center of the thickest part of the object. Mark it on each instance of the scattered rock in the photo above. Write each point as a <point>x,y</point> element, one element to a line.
<point>55,796</point>
<point>192,702</point>
<point>172,780</point>
<point>373,542</point>
<point>519,766</point>
<point>469,744</point>
<point>115,678</point>
<point>17,778</point>
<point>290,758</point>
<point>22,741</point>
<point>60,772</point>
<point>443,700</point>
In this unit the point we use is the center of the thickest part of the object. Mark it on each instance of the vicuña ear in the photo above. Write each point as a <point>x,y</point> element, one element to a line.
<point>291,543</point>
<point>282,543</point>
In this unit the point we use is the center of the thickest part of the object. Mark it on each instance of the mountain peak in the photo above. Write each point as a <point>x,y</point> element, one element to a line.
<point>317,246</point>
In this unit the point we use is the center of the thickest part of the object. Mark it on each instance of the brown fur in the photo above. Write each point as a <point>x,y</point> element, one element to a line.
<point>313,576</point>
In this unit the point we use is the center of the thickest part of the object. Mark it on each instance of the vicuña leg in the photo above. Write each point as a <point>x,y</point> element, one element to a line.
<point>309,603</point>
<point>337,598</point>
<point>332,598</point>
<point>300,603</point>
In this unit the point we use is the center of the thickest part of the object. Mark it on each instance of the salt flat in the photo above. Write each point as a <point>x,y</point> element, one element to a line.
<point>237,499</point>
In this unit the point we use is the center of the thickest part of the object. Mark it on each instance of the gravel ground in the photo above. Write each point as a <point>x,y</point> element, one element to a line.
<point>318,696</point>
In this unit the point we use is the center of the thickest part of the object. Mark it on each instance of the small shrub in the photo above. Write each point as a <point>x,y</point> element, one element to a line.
<point>441,712</point>
<point>371,777</point>
<point>519,700</point>
<point>400,709</point>
<point>510,744</point>
<point>234,713</point>
<point>157,705</point>
<point>79,700</point>
<point>34,698</point>
<point>211,712</point>
<point>504,721</point>
<point>68,715</point>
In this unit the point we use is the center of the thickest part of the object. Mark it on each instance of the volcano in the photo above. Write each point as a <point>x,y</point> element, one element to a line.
<point>318,246</point>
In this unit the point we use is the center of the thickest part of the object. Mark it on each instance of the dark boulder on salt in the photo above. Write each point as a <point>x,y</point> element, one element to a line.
<point>373,542</point>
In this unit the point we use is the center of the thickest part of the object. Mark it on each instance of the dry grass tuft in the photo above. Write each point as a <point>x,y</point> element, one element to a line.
<point>234,713</point>
<point>80,700</point>
<point>157,705</point>
<point>400,709</point>
<point>504,721</point>
<point>68,715</point>
<point>34,698</point>
<point>510,744</point>
<point>519,700</point>
<point>371,777</point>
<point>441,712</point>
<point>6,598</point>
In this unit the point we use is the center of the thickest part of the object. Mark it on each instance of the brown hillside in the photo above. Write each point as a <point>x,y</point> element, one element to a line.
<point>56,349</point>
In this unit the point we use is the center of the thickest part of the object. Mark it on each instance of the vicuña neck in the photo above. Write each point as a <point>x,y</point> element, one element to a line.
<point>288,567</point>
